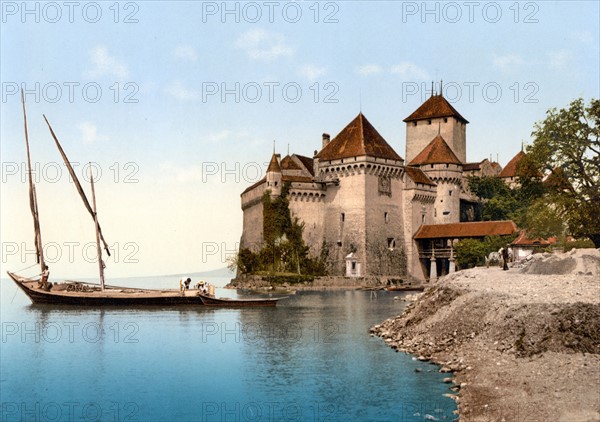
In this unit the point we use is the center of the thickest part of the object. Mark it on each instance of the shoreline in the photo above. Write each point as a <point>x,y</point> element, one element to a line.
<point>269,283</point>
<point>519,344</point>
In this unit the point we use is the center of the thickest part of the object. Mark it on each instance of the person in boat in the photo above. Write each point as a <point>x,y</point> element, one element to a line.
<point>187,283</point>
<point>44,279</point>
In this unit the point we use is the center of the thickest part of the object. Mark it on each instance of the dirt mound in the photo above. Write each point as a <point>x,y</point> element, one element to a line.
<point>515,342</point>
<point>575,262</point>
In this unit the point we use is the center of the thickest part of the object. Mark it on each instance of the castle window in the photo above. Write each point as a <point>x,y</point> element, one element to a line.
<point>423,219</point>
<point>386,217</point>
<point>275,183</point>
<point>391,243</point>
<point>449,193</point>
<point>342,217</point>
<point>446,212</point>
<point>447,165</point>
<point>445,120</point>
<point>428,122</point>
<point>414,124</point>
<point>432,166</point>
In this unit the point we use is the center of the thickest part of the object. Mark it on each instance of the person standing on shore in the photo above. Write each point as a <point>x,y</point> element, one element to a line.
<point>505,258</point>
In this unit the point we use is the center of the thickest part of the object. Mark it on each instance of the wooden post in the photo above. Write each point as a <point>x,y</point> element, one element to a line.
<point>98,247</point>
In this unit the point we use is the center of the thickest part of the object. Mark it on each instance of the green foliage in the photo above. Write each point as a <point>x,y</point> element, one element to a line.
<point>472,252</point>
<point>568,143</point>
<point>543,220</point>
<point>284,250</point>
<point>500,202</point>
<point>577,244</point>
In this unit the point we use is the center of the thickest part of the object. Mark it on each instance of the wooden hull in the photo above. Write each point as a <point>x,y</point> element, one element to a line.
<point>127,297</point>
<point>405,288</point>
<point>233,303</point>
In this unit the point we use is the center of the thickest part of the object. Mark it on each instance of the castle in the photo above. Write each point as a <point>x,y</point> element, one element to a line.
<point>378,213</point>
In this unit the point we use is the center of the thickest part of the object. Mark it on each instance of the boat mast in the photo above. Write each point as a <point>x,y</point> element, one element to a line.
<point>77,184</point>
<point>39,250</point>
<point>98,247</point>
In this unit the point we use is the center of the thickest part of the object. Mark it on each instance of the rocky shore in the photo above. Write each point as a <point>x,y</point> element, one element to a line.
<point>294,283</point>
<point>519,345</point>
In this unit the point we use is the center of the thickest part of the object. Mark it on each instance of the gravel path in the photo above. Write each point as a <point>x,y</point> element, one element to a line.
<point>523,344</point>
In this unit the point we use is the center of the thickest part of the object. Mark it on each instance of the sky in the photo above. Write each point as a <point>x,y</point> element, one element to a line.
<point>176,106</point>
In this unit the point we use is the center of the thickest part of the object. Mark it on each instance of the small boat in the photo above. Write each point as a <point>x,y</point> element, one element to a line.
<point>405,288</point>
<point>75,293</point>
<point>227,302</point>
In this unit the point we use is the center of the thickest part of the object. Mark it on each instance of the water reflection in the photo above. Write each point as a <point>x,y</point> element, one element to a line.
<point>311,358</point>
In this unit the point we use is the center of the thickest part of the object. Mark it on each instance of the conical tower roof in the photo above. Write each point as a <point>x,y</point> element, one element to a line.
<point>358,138</point>
<point>436,106</point>
<point>510,170</point>
<point>274,165</point>
<point>436,152</point>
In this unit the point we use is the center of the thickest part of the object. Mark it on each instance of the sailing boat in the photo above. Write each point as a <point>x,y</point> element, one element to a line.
<point>41,291</point>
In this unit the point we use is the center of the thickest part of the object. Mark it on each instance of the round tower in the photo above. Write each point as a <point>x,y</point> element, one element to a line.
<point>274,176</point>
<point>442,166</point>
<point>436,116</point>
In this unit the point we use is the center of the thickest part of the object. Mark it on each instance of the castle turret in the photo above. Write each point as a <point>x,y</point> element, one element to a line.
<point>436,115</point>
<point>274,175</point>
<point>442,166</point>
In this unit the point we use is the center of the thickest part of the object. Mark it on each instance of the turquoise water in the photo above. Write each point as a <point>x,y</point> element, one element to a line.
<point>309,359</point>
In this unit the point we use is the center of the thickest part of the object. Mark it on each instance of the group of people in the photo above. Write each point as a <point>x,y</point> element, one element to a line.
<point>203,286</point>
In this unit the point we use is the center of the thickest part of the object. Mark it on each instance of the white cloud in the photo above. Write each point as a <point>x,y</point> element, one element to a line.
<point>508,62</point>
<point>186,52</point>
<point>369,69</point>
<point>263,45</point>
<point>178,90</point>
<point>89,133</point>
<point>559,59</point>
<point>106,65</point>
<point>219,136</point>
<point>312,72</point>
<point>408,70</point>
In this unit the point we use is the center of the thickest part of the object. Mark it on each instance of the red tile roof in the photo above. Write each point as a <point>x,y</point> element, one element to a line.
<point>418,176</point>
<point>461,230</point>
<point>523,240</point>
<point>307,162</point>
<point>274,165</point>
<point>358,138</point>
<point>302,179</point>
<point>288,163</point>
<point>436,106</point>
<point>472,166</point>
<point>510,170</point>
<point>436,152</point>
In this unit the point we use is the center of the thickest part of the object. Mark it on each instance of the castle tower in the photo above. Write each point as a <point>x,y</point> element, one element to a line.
<point>274,176</point>
<point>436,115</point>
<point>442,166</point>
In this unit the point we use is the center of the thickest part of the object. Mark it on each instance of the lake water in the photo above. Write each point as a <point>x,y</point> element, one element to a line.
<point>309,359</point>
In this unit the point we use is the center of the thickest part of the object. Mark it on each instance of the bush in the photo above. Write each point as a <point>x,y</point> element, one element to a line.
<point>578,244</point>
<point>470,253</point>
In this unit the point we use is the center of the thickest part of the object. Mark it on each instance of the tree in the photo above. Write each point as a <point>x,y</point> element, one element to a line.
<point>500,202</point>
<point>567,143</point>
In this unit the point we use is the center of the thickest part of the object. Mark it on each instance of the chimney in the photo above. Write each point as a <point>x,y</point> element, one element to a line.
<point>326,139</point>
